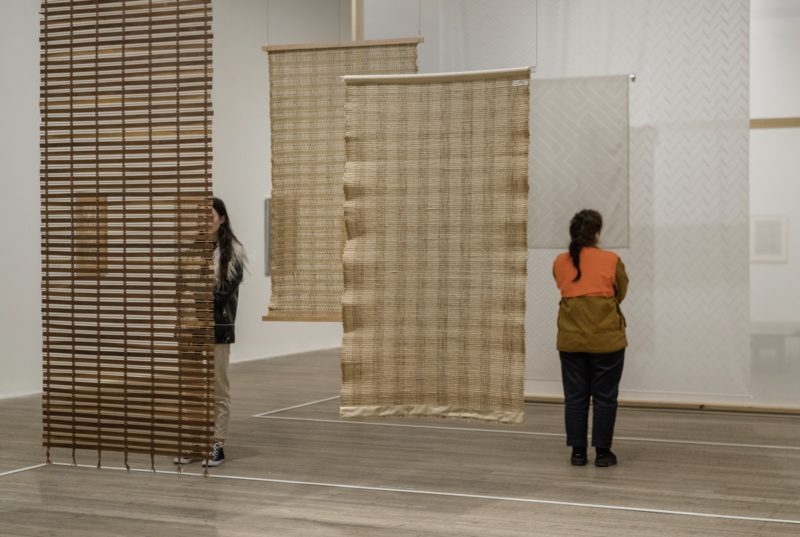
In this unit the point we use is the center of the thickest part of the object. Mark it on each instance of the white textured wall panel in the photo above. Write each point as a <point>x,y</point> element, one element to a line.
<point>688,305</point>
<point>579,157</point>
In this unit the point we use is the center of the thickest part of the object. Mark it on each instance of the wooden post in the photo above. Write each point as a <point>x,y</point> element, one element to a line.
<point>357,20</point>
<point>775,123</point>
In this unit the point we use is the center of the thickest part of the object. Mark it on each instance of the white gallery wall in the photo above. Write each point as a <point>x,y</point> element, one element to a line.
<point>459,35</point>
<point>775,153</point>
<point>20,270</point>
<point>240,170</point>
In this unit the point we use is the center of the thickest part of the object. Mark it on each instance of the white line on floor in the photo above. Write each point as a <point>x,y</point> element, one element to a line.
<point>18,470</point>
<point>533,433</point>
<point>461,495</point>
<point>263,414</point>
<point>411,425</point>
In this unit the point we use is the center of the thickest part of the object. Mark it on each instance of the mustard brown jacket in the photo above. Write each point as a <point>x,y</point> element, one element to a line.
<point>589,314</point>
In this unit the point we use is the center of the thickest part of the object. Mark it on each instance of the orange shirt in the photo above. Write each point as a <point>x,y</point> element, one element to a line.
<point>598,273</point>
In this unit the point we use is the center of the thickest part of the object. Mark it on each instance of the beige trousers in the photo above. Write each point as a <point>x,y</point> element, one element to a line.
<point>222,391</point>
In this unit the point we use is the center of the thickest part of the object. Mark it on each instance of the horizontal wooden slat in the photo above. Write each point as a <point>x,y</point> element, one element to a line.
<point>127,283</point>
<point>775,123</point>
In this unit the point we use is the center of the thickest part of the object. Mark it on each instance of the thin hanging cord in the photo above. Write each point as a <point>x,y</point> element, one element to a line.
<point>46,242</point>
<point>72,215</point>
<point>152,240</point>
<point>97,213</point>
<point>209,373</point>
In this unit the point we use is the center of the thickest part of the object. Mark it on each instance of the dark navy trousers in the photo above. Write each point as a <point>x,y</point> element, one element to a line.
<point>589,376</point>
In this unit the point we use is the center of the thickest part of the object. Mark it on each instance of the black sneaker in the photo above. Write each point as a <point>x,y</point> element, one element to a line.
<point>578,457</point>
<point>605,459</point>
<point>217,455</point>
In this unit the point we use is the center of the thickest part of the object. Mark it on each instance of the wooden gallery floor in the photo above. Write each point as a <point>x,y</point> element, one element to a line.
<point>303,471</point>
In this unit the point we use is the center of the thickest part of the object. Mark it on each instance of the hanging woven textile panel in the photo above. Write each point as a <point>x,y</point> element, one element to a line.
<point>308,154</point>
<point>579,157</point>
<point>125,205</point>
<point>436,206</point>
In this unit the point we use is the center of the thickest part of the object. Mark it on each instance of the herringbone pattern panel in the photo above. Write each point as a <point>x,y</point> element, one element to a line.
<point>688,306</point>
<point>579,157</point>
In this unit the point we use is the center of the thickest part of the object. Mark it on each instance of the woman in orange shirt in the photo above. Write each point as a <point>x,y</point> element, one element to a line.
<point>591,337</point>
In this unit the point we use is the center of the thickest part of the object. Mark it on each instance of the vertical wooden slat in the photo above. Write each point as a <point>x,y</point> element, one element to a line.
<point>124,237</point>
<point>72,245</point>
<point>209,387</point>
<point>45,176</point>
<point>99,426</point>
<point>125,189</point>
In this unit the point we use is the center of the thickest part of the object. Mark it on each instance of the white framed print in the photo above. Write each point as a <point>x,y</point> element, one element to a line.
<point>769,239</point>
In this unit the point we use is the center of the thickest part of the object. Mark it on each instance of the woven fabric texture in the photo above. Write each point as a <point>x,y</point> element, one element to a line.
<point>308,154</point>
<point>436,201</point>
<point>125,192</point>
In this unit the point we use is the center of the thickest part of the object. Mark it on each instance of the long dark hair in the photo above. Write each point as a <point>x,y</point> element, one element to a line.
<point>583,230</point>
<point>225,239</point>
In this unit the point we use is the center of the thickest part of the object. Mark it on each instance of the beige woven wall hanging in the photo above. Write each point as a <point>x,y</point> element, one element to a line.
<point>436,205</point>
<point>308,153</point>
<point>125,193</point>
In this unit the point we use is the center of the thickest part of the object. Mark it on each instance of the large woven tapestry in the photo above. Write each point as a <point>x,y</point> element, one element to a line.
<point>579,157</point>
<point>308,154</point>
<point>436,206</point>
<point>125,193</point>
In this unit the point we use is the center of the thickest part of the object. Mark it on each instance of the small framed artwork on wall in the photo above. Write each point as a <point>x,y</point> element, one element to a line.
<point>769,239</point>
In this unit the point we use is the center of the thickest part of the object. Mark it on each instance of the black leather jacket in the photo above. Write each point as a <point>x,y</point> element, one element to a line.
<point>226,299</point>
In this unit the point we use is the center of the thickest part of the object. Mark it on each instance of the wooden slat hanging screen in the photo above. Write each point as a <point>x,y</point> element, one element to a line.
<point>125,192</point>
<point>307,126</point>
<point>436,206</point>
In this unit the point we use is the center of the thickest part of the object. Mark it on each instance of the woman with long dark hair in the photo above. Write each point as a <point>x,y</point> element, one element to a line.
<point>591,337</point>
<point>229,265</point>
<point>229,261</point>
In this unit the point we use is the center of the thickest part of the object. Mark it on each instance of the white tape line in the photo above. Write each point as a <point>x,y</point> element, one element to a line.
<point>411,426</point>
<point>534,433</point>
<point>293,407</point>
<point>463,495</point>
<point>18,470</point>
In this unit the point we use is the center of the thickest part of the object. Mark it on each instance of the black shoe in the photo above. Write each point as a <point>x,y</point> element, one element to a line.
<point>605,459</point>
<point>578,458</point>
<point>216,457</point>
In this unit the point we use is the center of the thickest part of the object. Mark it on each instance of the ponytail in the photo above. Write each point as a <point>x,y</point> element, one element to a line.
<point>583,230</point>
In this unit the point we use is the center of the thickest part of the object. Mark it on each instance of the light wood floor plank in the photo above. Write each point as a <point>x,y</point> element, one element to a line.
<point>732,481</point>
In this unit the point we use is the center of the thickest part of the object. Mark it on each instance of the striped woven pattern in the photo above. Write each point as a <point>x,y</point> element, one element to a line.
<point>125,193</point>
<point>307,124</point>
<point>436,204</point>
